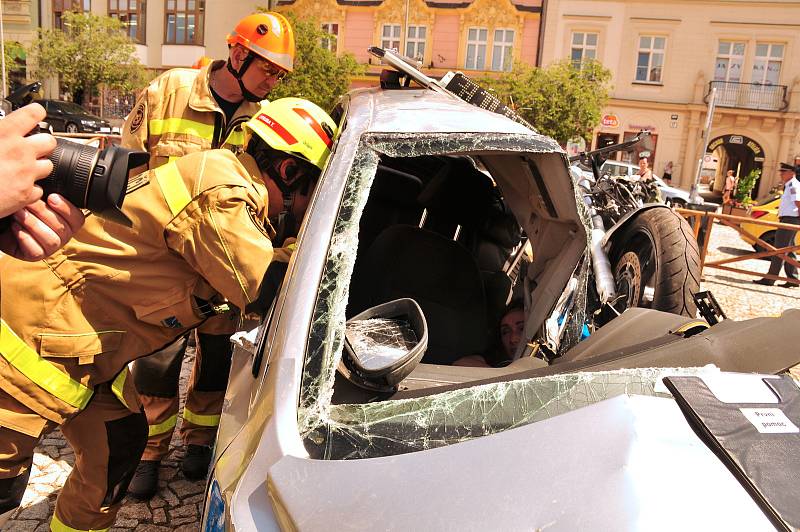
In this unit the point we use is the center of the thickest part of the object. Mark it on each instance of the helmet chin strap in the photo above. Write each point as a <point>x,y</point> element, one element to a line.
<point>246,94</point>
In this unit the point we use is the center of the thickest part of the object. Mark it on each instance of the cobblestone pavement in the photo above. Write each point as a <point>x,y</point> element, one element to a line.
<point>179,503</point>
<point>176,508</point>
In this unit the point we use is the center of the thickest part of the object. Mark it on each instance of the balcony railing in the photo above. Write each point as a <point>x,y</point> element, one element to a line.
<point>749,95</point>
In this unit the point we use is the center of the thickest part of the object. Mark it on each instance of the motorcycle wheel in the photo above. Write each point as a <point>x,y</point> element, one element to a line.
<point>657,263</point>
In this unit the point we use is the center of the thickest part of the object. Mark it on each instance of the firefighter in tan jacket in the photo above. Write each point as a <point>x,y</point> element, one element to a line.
<point>201,240</point>
<point>183,111</point>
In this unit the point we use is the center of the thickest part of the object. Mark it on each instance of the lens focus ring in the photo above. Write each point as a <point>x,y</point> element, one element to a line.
<point>72,170</point>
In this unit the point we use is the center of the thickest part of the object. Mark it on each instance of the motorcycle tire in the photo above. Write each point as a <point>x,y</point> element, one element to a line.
<point>656,263</point>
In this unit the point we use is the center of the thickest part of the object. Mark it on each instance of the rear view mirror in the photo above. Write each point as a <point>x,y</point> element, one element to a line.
<point>384,344</point>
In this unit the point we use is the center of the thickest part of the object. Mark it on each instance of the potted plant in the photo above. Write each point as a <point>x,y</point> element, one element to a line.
<point>742,200</point>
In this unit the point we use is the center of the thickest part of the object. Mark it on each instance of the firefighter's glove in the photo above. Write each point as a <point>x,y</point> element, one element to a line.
<point>270,286</point>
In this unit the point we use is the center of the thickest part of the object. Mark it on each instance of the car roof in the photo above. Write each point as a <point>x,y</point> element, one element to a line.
<point>424,110</point>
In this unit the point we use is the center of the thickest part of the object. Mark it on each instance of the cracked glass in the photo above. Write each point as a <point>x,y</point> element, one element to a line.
<point>389,427</point>
<point>355,431</point>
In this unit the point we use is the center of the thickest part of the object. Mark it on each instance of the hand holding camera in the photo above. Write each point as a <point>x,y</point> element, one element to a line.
<point>23,159</point>
<point>69,176</point>
<point>40,229</point>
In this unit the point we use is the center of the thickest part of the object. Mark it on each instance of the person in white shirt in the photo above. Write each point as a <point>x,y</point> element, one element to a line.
<point>788,213</point>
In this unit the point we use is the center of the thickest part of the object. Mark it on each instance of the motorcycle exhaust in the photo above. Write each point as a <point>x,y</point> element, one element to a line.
<point>603,276</point>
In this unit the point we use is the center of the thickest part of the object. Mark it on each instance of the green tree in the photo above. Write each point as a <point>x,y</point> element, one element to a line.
<point>562,101</point>
<point>14,51</point>
<point>319,74</point>
<point>90,51</point>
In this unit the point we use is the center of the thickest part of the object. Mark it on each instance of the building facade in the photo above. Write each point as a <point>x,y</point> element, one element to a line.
<point>667,56</point>
<point>20,21</point>
<point>479,36</point>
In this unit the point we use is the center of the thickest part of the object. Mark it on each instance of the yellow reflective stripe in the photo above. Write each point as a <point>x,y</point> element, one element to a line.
<point>57,526</point>
<point>164,426</point>
<point>159,126</point>
<point>292,247</point>
<point>236,138</point>
<point>118,386</point>
<point>200,419</point>
<point>47,376</point>
<point>172,187</point>
<point>691,325</point>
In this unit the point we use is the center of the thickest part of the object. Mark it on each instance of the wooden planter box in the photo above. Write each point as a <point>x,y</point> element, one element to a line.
<point>729,208</point>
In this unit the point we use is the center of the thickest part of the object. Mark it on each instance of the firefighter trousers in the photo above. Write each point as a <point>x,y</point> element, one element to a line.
<point>157,381</point>
<point>108,440</point>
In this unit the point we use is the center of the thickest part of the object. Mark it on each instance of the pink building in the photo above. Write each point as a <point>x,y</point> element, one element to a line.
<point>482,36</point>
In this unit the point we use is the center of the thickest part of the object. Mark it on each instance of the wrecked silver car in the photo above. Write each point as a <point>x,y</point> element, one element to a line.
<point>345,411</point>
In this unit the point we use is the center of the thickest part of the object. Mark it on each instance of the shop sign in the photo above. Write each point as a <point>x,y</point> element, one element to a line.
<point>755,148</point>
<point>736,139</point>
<point>610,121</point>
<point>715,144</point>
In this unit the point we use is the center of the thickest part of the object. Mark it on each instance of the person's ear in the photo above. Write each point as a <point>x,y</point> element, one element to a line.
<point>237,54</point>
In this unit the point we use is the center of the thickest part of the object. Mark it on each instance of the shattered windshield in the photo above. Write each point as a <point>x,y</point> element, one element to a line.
<point>540,200</point>
<point>386,428</point>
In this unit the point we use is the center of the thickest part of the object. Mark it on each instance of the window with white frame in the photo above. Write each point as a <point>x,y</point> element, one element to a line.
<point>132,15</point>
<point>767,63</point>
<point>415,42</point>
<point>476,48</point>
<point>390,37</point>
<point>185,21</point>
<point>331,31</point>
<point>503,50</point>
<point>730,59</point>
<point>650,59</point>
<point>584,47</point>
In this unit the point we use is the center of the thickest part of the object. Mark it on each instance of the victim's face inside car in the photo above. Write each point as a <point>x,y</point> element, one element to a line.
<point>511,327</point>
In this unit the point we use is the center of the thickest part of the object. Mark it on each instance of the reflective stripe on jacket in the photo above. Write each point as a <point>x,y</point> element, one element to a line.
<point>177,115</point>
<point>113,294</point>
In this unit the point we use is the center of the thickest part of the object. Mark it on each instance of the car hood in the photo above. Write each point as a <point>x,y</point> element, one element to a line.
<point>674,191</point>
<point>627,463</point>
<point>94,118</point>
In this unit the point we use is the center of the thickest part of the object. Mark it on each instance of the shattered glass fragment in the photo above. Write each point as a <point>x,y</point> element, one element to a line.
<point>379,342</point>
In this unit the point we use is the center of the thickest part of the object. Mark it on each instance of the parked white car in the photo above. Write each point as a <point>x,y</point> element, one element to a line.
<point>670,195</point>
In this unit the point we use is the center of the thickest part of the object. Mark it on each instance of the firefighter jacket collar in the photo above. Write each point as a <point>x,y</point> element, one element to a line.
<point>201,98</point>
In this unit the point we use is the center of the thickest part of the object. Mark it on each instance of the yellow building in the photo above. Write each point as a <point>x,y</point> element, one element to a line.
<point>666,56</point>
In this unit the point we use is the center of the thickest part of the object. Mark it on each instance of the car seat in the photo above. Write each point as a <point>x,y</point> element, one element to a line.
<point>392,201</point>
<point>440,274</point>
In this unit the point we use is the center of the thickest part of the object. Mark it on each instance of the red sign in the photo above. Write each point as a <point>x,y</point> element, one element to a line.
<point>610,121</point>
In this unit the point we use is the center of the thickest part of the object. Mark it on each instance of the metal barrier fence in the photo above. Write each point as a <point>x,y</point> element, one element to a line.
<point>705,221</point>
<point>100,140</point>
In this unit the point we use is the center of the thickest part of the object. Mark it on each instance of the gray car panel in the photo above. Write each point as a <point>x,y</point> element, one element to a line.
<point>649,473</point>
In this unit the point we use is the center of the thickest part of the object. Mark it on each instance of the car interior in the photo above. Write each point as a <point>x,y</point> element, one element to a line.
<point>437,229</point>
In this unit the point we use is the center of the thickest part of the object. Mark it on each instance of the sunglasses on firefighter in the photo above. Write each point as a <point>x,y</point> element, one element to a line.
<point>269,70</point>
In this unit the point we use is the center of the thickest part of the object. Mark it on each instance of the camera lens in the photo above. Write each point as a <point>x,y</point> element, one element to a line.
<point>71,177</point>
<point>92,179</point>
